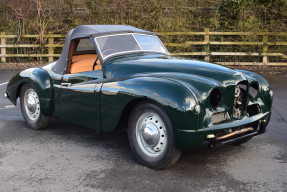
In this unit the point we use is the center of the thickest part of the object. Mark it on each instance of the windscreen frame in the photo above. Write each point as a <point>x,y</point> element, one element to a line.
<point>103,58</point>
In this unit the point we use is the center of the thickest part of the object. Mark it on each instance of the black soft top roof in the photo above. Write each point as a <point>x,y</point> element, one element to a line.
<point>85,31</point>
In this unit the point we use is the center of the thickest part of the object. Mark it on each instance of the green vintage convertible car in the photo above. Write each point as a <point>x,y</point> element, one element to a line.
<point>111,76</point>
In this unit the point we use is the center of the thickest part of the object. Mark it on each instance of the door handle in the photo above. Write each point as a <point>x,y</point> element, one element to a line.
<point>66,84</point>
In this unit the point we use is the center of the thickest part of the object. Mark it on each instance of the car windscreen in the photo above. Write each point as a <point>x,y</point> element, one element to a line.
<point>125,43</point>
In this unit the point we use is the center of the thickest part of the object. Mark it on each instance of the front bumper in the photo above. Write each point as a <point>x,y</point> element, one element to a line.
<point>187,139</point>
<point>236,136</point>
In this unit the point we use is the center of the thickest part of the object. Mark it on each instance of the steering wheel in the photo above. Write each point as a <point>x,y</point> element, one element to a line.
<point>109,50</point>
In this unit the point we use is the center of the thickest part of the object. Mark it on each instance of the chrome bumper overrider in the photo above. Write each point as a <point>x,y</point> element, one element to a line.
<point>6,95</point>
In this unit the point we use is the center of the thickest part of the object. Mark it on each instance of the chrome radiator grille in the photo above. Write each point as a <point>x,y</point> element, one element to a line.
<point>239,99</point>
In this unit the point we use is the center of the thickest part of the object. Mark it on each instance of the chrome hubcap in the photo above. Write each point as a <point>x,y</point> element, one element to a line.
<point>151,134</point>
<point>32,104</point>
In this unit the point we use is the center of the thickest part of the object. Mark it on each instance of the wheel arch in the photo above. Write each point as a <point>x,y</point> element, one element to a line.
<point>42,82</point>
<point>125,116</point>
<point>118,99</point>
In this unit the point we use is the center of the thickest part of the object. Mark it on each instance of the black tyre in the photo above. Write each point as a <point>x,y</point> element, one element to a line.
<point>31,109</point>
<point>240,142</point>
<point>151,136</point>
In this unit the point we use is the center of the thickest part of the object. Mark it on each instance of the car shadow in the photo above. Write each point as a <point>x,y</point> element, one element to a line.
<point>117,141</point>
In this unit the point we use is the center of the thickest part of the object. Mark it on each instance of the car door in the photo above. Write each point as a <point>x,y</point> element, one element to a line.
<point>80,98</point>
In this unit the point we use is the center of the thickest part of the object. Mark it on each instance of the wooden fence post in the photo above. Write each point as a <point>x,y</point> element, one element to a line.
<point>265,49</point>
<point>206,46</point>
<point>3,48</point>
<point>51,49</point>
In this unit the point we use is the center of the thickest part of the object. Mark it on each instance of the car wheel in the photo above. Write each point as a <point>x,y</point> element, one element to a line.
<point>151,136</point>
<point>31,109</point>
<point>240,142</point>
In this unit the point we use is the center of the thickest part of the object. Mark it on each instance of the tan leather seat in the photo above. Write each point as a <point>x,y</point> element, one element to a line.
<point>85,65</point>
<point>83,57</point>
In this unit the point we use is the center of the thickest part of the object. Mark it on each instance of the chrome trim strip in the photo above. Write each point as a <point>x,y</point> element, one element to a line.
<point>106,92</point>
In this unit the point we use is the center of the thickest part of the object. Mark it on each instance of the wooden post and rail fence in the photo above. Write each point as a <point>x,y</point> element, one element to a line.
<point>206,41</point>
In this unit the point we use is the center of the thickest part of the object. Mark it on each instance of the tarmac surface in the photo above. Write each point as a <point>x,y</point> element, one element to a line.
<point>67,157</point>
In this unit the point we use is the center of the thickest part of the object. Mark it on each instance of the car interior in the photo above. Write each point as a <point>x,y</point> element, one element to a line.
<point>82,56</point>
